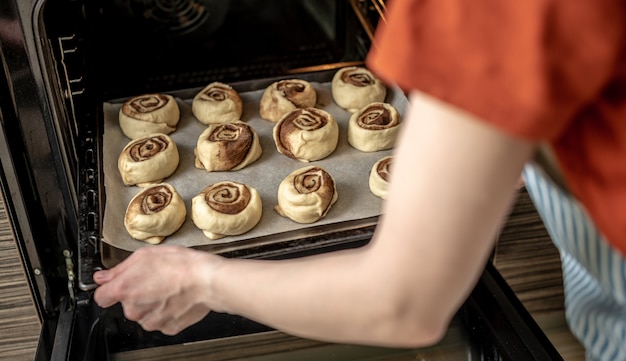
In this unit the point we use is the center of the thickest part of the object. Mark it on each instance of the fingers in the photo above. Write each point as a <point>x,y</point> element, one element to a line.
<point>136,312</point>
<point>104,296</point>
<point>110,284</point>
<point>102,277</point>
<point>103,299</point>
<point>157,287</point>
<point>175,324</point>
<point>107,295</point>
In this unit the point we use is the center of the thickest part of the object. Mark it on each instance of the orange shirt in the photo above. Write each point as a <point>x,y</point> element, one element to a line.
<point>546,70</point>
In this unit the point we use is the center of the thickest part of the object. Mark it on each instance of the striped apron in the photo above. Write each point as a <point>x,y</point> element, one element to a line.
<point>594,274</point>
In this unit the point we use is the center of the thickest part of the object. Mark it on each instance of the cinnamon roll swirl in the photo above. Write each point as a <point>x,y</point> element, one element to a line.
<point>306,195</point>
<point>284,96</point>
<point>374,127</point>
<point>354,87</point>
<point>379,177</point>
<point>226,209</point>
<point>227,147</point>
<point>217,103</point>
<point>147,114</point>
<point>307,134</point>
<point>155,213</point>
<point>148,159</point>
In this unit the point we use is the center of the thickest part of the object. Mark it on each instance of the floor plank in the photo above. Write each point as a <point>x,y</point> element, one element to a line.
<point>19,324</point>
<point>531,265</point>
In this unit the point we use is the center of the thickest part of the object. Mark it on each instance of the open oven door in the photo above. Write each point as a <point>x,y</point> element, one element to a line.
<point>491,325</point>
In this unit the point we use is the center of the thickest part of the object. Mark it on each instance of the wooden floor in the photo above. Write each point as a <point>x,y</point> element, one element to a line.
<point>524,256</point>
<point>527,259</point>
<point>19,324</point>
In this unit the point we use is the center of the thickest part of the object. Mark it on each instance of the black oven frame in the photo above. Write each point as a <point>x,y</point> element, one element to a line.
<point>54,207</point>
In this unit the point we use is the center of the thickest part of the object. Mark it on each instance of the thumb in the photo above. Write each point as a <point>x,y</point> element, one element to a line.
<point>105,295</point>
<point>102,277</point>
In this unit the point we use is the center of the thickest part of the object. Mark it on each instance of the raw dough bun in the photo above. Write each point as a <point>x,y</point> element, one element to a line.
<point>217,103</point>
<point>374,127</point>
<point>306,195</point>
<point>148,160</point>
<point>379,177</point>
<point>227,147</point>
<point>307,134</point>
<point>283,96</point>
<point>147,114</point>
<point>354,87</point>
<point>155,213</point>
<point>226,209</point>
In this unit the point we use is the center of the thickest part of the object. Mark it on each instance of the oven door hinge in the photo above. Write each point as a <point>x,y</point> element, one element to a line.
<point>71,276</point>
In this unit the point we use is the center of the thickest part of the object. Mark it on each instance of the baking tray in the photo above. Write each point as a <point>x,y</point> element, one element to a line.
<point>350,222</point>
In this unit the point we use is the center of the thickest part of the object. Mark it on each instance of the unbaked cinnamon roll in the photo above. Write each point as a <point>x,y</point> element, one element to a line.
<point>306,195</point>
<point>374,127</point>
<point>148,159</point>
<point>217,103</point>
<point>226,209</point>
<point>155,213</point>
<point>379,177</point>
<point>284,96</point>
<point>227,147</point>
<point>147,114</point>
<point>307,134</point>
<point>354,87</point>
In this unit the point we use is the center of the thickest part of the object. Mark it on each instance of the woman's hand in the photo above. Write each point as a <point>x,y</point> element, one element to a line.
<point>164,288</point>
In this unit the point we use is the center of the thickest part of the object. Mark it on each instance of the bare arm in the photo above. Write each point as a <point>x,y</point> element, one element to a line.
<point>453,181</point>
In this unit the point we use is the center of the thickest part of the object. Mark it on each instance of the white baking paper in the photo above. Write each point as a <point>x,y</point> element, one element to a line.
<point>349,167</point>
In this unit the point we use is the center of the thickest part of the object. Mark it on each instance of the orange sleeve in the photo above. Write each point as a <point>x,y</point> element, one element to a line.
<point>526,66</point>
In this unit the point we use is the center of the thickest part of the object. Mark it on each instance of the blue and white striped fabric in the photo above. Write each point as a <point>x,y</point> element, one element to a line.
<point>594,274</point>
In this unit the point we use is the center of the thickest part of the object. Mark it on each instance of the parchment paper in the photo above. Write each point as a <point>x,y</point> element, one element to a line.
<point>349,167</point>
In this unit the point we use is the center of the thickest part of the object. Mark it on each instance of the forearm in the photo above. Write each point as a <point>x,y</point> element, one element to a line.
<point>452,183</point>
<point>350,296</point>
<point>333,297</point>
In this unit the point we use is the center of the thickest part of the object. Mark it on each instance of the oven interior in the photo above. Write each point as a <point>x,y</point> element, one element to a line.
<point>111,49</point>
<point>130,47</point>
<point>94,51</point>
<point>166,45</point>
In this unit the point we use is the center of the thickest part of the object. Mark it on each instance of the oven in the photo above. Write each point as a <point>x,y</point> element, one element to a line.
<point>63,61</point>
